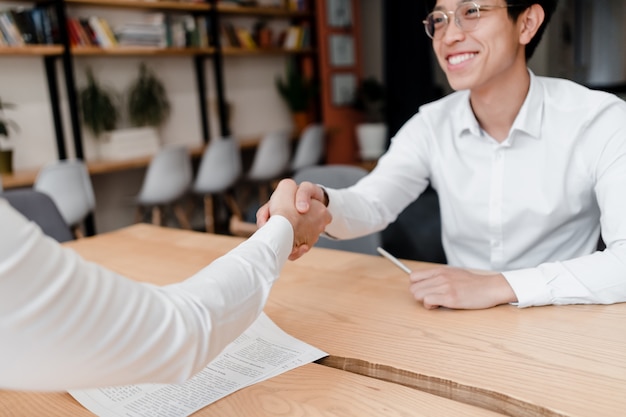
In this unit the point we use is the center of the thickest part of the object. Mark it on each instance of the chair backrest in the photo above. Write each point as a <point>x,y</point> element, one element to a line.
<point>310,147</point>
<point>68,183</point>
<point>168,176</point>
<point>220,167</point>
<point>340,176</point>
<point>40,209</point>
<point>271,158</point>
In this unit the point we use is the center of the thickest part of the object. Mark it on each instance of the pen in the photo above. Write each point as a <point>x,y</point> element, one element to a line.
<point>393,260</point>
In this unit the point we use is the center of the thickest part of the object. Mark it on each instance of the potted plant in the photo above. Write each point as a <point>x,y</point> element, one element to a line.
<point>370,100</point>
<point>6,148</point>
<point>99,106</point>
<point>147,108</point>
<point>148,104</point>
<point>297,91</point>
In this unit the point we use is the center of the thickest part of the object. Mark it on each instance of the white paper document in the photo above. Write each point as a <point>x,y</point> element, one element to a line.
<point>261,352</point>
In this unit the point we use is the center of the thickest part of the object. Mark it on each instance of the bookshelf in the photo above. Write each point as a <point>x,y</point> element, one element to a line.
<point>20,38</point>
<point>67,50</point>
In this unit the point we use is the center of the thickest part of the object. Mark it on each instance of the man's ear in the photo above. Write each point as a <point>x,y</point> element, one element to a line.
<point>529,22</point>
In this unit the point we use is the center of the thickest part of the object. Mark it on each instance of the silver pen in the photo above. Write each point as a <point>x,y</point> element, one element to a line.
<point>393,260</point>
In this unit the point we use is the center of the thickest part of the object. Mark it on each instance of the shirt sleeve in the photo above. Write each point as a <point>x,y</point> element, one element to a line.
<point>69,324</point>
<point>598,278</point>
<point>400,176</point>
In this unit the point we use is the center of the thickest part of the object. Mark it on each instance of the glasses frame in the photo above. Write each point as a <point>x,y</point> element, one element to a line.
<point>457,20</point>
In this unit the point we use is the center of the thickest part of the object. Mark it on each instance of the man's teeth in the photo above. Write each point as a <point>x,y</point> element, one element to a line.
<point>457,59</point>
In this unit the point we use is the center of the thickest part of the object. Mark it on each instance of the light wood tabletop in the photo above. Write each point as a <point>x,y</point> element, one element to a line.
<point>548,361</point>
<point>162,256</point>
<point>399,358</point>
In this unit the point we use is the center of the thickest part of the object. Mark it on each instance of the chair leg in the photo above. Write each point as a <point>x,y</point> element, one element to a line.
<point>232,204</point>
<point>209,219</point>
<point>181,216</point>
<point>139,214</point>
<point>77,232</point>
<point>157,217</point>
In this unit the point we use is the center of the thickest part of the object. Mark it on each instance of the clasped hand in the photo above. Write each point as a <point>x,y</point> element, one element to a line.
<point>307,223</point>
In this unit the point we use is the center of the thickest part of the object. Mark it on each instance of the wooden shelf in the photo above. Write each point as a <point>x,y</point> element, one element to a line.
<point>139,50</point>
<point>26,178</point>
<point>34,50</point>
<point>142,4</point>
<point>229,51</point>
<point>261,11</point>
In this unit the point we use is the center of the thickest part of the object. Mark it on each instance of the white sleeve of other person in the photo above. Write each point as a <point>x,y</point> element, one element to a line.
<point>69,324</point>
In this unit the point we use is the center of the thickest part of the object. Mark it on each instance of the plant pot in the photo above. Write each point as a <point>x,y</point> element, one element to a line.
<point>6,161</point>
<point>300,121</point>
<point>372,138</point>
<point>129,143</point>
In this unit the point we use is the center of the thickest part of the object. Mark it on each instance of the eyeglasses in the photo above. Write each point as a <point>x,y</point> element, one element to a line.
<point>466,18</point>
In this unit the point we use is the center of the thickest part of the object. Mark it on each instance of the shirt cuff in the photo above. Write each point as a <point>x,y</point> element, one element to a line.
<point>278,234</point>
<point>529,286</point>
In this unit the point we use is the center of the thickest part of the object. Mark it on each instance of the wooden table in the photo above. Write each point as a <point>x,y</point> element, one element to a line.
<point>547,361</point>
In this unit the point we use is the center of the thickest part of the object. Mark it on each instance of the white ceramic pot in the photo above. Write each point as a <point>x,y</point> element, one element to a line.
<point>372,138</point>
<point>129,143</point>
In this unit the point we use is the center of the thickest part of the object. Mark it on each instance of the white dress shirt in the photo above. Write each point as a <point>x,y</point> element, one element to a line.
<point>530,207</point>
<point>67,324</point>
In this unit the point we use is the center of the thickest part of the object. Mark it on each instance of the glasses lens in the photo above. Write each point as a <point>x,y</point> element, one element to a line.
<point>435,24</point>
<point>467,15</point>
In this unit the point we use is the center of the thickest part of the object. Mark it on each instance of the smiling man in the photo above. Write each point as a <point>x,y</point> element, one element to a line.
<point>528,170</point>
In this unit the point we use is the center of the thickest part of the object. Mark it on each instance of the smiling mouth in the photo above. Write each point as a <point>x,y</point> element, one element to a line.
<point>458,59</point>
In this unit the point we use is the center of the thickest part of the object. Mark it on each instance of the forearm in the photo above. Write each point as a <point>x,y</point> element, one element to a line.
<point>71,324</point>
<point>599,278</point>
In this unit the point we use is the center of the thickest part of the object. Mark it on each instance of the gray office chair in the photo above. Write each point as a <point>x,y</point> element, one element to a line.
<point>166,182</point>
<point>270,163</point>
<point>340,176</point>
<point>219,170</point>
<point>68,183</point>
<point>309,149</point>
<point>40,209</point>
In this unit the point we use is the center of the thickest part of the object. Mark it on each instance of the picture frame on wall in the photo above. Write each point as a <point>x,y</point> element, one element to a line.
<point>343,89</point>
<point>339,13</point>
<point>341,49</point>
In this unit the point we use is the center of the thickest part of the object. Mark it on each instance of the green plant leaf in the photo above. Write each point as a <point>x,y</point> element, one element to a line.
<point>148,104</point>
<point>98,108</point>
<point>295,88</point>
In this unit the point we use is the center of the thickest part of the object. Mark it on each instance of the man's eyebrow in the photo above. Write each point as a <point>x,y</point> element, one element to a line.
<point>443,9</point>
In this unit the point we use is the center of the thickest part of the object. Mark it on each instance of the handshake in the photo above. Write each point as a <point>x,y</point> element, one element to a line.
<point>304,207</point>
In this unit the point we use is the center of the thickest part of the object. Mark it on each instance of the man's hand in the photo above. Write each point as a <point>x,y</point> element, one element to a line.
<point>458,288</point>
<point>307,227</point>
<point>306,193</point>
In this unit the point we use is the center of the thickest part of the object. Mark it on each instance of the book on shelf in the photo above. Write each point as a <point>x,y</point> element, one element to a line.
<point>229,35</point>
<point>150,31</point>
<point>10,30</point>
<point>23,26</point>
<point>245,39</point>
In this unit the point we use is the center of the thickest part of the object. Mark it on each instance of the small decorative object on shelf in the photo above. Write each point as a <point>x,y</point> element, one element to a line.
<point>148,108</point>
<point>370,99</point>
<point>148,104</point>
<point>98,106</point>
<point>298,92</point>
<point>6,148</point>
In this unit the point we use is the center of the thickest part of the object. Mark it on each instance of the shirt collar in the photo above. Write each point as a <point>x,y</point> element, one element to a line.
<point>528,119</point>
